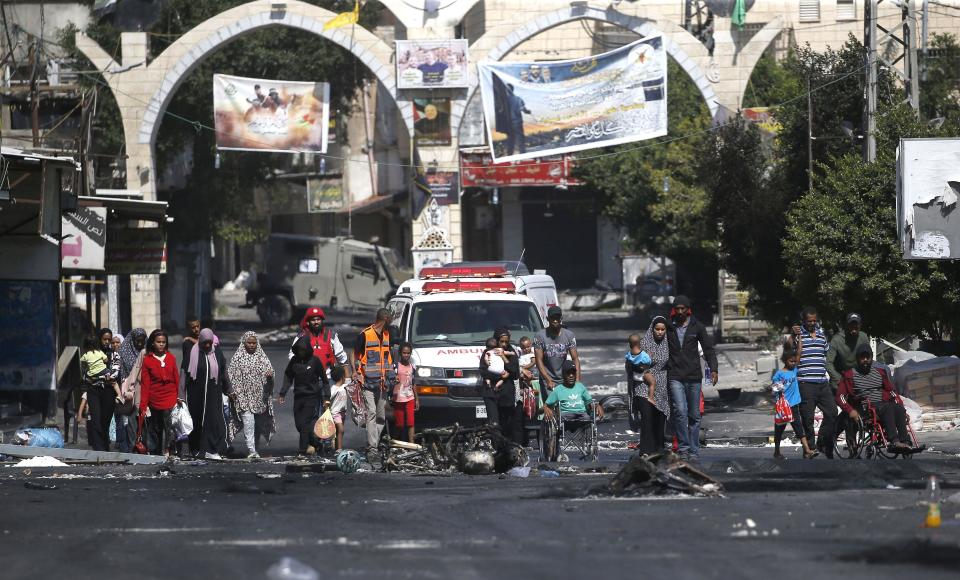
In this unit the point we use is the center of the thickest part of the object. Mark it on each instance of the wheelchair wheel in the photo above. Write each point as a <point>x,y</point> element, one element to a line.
<point>855,440</point>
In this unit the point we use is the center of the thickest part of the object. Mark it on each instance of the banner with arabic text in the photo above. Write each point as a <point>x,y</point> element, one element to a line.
<point>266,115</point>
<point>535,109</point>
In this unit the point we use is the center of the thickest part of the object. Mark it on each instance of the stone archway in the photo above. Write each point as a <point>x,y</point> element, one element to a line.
<point>143,90</point>
<point>685,49</point>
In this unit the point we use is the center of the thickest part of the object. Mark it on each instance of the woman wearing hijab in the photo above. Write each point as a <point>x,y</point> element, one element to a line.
<point>251,378</point>
<point>205,386</point>
<point>130,354</point>
<point>654,413</point>
<point>501,402</point>
<point>159,384</point>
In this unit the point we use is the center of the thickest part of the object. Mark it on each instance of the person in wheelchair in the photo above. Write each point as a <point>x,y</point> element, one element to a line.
<point>571,398</point>
<point>867,383</point>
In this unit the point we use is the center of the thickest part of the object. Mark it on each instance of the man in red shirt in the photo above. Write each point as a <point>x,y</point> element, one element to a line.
<point>326,343</point>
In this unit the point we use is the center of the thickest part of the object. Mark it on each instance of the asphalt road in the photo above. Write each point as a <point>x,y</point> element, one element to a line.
<point>787,519</point>
<point>812,519</point>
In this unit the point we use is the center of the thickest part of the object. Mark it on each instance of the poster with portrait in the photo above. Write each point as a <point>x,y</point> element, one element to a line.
<point>432,64</point>
<point>431,121</point>
<point>270,115</point>
<point>444,187</point>
<point>534,109</point>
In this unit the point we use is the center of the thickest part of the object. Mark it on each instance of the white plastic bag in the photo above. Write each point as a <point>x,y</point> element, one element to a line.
<point>182,421</point>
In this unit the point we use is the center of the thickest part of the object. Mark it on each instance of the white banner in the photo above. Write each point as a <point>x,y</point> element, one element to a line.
<point>535,109</point>
<point>432,64</point>
<point>266,115</point>
<point>85,236</point>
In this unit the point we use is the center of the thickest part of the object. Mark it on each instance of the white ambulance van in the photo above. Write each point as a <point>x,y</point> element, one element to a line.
<point>447,315</point>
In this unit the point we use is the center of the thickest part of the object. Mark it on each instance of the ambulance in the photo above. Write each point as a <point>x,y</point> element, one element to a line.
<point>447,314</point>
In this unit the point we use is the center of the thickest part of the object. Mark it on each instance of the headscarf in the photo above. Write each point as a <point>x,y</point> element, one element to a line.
<point>248,375</point>
<point>128,352</point>
<point>205,335</point>
<point>659,352</point>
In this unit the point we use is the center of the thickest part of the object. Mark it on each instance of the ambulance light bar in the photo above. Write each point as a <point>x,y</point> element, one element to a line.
<point>463,272</point>
<point>460,286</point>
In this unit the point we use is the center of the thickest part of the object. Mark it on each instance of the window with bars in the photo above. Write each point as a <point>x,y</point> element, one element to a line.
<point>809,10</point>
<point>846,10</point>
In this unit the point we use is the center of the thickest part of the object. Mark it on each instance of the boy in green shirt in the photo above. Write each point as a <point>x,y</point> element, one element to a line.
<point>572,398</point>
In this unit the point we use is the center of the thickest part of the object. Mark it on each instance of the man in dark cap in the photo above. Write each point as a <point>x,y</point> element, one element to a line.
<point>552,346</point>
<point>867,382</point>
<point>841,356</point>
<point>686,337</point>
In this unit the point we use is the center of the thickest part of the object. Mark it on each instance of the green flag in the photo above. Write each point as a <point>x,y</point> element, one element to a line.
<point>739,15</point>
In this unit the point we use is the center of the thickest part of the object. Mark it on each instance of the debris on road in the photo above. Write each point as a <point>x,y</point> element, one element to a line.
<point>662,474</point>
<point>39,437</point>
<point>40,461</point>
<point>471,450</point>
<point>291,569</point>
<point>39,486</point>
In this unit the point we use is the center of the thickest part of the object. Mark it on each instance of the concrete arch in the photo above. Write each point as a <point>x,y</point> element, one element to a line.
<point>685,49</point>
<point>181,57</point>
<point>754,49</point>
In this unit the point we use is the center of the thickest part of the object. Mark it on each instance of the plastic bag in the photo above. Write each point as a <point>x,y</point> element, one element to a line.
<point>325,427</point>
<point>182,421</point>
<point>358,410</point>
<point>529,403</point>
<point>46,437</point>
<point>782,413</point>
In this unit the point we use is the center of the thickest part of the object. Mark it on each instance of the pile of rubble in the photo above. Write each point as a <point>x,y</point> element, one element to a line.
<point>662,474</point>
<point>471,450</point>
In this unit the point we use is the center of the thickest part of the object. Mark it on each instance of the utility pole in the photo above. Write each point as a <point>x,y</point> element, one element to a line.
<point>34,95</point>
<point>809,136</point>
<point>903,63</point>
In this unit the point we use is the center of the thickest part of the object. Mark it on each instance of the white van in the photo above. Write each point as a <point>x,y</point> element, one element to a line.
<point>539,286</point>
<point>448,319</point>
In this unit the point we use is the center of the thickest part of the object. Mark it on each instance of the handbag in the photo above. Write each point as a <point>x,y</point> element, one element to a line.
<point>139,446</point>
<point>782,413</point>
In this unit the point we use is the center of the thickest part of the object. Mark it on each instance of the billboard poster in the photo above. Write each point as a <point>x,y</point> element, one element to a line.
<point>444,187</point>
<point>928,190</point>
<point>270,115</point>
<point>478,170</point>
<point>431,121</point>
<point>85,237</point>
<point>28,341</point>
<point>535,109</point>
<point>324,195</point>
<point>136,251</point>
<point>432,64</point>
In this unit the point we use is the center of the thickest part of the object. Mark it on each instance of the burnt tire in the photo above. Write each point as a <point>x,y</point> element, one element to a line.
<point>275,310</point>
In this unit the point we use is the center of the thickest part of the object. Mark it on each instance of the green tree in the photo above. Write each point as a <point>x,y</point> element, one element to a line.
<point>653,191</point>
<point>939,73</point>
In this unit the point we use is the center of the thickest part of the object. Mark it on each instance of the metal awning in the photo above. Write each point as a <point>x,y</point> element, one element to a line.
<point>374,203</point>
<point>154,211</point>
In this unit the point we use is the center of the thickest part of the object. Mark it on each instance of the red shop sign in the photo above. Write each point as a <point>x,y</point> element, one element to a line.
<point>478,170</point>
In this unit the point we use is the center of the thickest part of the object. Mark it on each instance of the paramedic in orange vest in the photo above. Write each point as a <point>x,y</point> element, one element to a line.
<point>371,357</point>
<point>326,344</point>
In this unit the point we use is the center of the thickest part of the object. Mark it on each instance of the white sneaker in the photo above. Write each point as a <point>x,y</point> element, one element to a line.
<point>213,456</point>
<point>253,455</point>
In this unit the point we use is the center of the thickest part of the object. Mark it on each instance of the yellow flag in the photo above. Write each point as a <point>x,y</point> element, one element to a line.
<point>344,18</point>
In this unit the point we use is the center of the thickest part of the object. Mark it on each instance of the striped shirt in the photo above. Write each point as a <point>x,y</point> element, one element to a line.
<point>869,386</point>
<point>812,367</point>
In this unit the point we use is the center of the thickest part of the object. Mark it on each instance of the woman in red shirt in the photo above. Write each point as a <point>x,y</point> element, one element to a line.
<point>160,379</point>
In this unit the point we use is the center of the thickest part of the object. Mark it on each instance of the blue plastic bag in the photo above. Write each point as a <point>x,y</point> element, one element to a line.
<point>46,437</point>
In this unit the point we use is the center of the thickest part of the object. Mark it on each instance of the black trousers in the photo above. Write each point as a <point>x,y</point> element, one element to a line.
<point>813,395</point>
<point>306,411</point>
<point>101,401</point>
<point>509,417</point>
<point>160,437</point>
<point>634,415</point>
<point>652,422</point>
<point>893,418</point>
<point>797,424</point>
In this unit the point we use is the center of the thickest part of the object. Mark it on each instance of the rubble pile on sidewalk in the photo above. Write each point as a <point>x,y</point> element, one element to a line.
<point>662,474</point>
<point>470,450</point>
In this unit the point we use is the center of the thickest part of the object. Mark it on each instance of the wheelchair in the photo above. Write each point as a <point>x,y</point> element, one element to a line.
<point>560,436</point>
<point>866,437</point>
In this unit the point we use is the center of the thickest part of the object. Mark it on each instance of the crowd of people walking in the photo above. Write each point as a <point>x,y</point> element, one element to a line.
<point>136,383</point>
